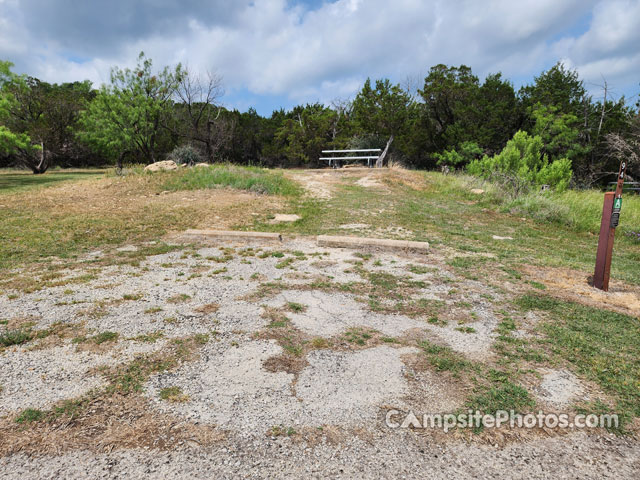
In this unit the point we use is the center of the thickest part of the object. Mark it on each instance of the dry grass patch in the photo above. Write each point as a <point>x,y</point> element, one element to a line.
<point>573,285</point>
<point>179,298</point>
<point>67,219</point>
<point>103,424</point>
<point>207,308</point>
<point>285,363</point>
<point>174,395</point>
<point>111,418</point>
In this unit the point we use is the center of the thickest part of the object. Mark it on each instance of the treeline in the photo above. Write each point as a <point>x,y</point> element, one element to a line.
<point>451,121</point>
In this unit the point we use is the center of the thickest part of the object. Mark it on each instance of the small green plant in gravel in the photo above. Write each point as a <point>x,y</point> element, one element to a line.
<point>132,296</point>
<point>435,320</point>
<point>179,298</point>
<point>99,339</point>
<point>420,269</point>
<point>319,342</point>
<point>15,337</point>
<point>444,359</point>
<point>281,430</point>
<point>285,263</point>
<point>173,394</point>
<point>296,307</point>
<point>30,415</point>
<point>104,337</point>
<point>149,337</point>
<point>358,336</point>
<point>465,329</point>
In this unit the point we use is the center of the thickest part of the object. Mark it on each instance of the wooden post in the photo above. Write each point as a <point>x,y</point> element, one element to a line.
<point>380,159</point>
<point>607,233</point>
<point>603,244</point>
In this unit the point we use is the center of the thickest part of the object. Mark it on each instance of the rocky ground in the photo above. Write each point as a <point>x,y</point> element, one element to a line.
<point>279,361</point>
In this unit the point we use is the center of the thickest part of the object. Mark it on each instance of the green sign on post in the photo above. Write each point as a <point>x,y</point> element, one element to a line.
<point>617,204</point>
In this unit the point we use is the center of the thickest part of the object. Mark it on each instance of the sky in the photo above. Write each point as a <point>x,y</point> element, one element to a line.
<point>280,53</point>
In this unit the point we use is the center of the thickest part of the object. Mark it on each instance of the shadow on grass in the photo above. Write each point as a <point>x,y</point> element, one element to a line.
<point>13,181</point>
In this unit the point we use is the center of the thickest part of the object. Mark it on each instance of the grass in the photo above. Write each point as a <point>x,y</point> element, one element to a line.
<point>12,180</point>
<point>492,389</point>
<point>126,379</point>
<point>253,179</point>
<point>98,339</point>
<point>179,298</point>
<point>427,205</point>
<point>499,394</point>
<point>15,337</point>
<point>443,358</point>
<point>442,210</point>
<point>173,394</point>
<point>37,224</point>
<point>30,415</point>
<point>601,345</point>
<point>296,307</point>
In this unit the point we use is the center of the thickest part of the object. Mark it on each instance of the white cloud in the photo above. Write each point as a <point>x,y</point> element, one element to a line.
<point>272,48</point>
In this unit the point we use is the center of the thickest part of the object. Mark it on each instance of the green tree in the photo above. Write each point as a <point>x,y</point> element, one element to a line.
<point>558,87</point>
<point>383,113</point>
<point>305,132</point>
<point>383,110</point>
<point>522,163</point>
<point>10,140</point>
<point>128,115</point>
<point>498,114</point>
<point>560,132</point>
<point>466,152</point>
<point>449,94</point>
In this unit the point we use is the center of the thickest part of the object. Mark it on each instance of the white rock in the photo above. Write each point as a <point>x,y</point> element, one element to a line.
<point>161,166</point>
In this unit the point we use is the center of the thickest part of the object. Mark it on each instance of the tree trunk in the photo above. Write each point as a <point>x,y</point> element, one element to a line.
<point>380,160</point>
<point>42,165</point>
<point>119,161</point>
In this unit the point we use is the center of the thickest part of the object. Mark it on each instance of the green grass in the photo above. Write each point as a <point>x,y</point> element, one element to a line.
<point>296,307</point>
<point>253,179</point>
<point>579,209</point>
<point>436,208</point>
<point>15,337</point>
<point>601,345</point>
<point>30,415</point>
<point>444,359</point>
<point>444,212</point>
<point>499,394</point>
<point>12,181</point>
<point>98,339</point>
<point>104,337</point>
<point>173,394</point>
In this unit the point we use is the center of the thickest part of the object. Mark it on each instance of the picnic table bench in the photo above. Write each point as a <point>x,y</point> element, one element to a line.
<point>336,161</point>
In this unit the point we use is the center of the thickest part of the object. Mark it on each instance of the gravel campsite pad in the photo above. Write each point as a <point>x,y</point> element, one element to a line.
<point>278,361</point>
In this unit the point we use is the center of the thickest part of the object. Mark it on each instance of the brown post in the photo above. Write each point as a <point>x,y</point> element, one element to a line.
<point>608,232</point>
<point>603,245</point>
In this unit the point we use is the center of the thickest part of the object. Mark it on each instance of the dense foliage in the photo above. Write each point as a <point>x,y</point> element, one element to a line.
<point>552,126</point>
<point>522,164</point>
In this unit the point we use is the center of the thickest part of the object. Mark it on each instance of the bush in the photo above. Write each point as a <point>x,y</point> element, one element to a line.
<point>521,165</point>
<point>466,152</point>
<point>185,155</point>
